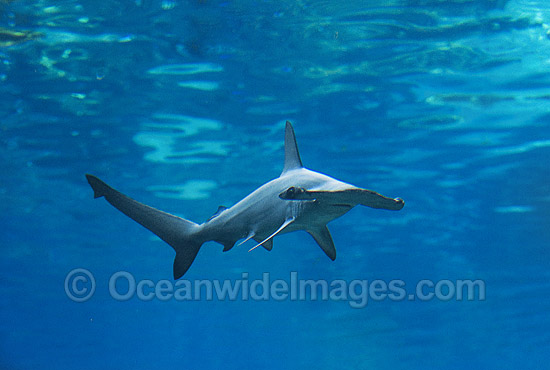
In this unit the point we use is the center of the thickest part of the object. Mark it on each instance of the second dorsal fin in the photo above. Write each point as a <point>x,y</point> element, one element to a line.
<point>220,210</point>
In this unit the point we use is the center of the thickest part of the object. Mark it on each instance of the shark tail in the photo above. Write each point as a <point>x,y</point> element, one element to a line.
<point>185,255</point>
<point>182,235</point>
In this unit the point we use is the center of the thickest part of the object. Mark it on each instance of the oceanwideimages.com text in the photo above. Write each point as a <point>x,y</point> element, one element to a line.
<point>80,286</point>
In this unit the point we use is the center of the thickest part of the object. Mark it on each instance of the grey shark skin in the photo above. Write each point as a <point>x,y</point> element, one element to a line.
<point>299,199</point>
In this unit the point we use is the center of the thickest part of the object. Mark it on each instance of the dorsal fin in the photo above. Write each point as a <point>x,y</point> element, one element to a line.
<point>292,157</point>
<point>220,210</point>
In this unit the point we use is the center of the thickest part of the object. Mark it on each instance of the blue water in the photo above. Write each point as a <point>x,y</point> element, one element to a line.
<point>182,104</point>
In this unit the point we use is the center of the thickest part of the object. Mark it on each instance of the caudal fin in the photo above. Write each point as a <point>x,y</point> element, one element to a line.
<point>184,258</point>
<point>180,234</point>
<point>99,187</point>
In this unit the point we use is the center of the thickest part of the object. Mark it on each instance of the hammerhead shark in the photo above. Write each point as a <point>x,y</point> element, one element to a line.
<point>299,199</point>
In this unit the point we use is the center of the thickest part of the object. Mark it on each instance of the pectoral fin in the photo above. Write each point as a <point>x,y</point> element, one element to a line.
<point>324,239</point>
<point>269,238</point>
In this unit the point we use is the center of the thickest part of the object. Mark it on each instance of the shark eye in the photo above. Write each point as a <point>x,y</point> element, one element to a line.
<point>291,192</point>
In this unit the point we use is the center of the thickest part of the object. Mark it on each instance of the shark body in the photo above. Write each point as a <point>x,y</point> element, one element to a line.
<point>299,199</point>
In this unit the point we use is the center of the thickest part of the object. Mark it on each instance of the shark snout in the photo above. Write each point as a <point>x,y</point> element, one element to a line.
<point>400,203</point>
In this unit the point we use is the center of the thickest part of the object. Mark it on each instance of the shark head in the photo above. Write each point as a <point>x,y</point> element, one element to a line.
<point>293,193</point>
